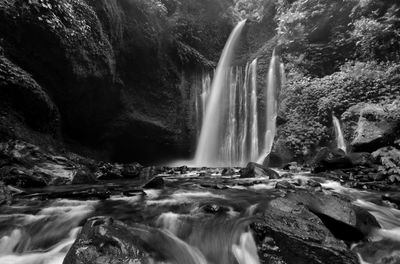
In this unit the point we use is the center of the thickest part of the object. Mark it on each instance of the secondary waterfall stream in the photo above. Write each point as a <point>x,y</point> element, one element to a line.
<point>275,74</point>
<point>341,144</point>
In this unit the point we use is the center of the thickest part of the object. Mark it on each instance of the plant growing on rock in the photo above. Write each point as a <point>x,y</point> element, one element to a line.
<point>389,158</point>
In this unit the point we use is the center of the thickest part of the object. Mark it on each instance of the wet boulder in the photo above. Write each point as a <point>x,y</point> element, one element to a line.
<point>273,160</point>
<point>84,176</point>
<point>361,158</point>
<point>27,166</point>
<point>298,236</point>
<point>254,170</point>
<point>327,159</point>
<point>103,240</point>
<point>155,183</point>
<point>21,177</point>
<point>5,194</point>
<point>228,172</point>
<point>285,185</point>
<point>346,221</point>
<point>108,171</point>
<point>131,170</point>
<point>374,126</point>
<point>385,251</point>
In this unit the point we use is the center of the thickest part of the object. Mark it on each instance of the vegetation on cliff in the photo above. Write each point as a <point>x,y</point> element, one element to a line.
<point>338,54</point>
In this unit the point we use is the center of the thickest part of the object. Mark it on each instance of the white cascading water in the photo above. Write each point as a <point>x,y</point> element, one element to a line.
<point>208,152</point>
<point>243,110</point>
<point>240,141</point>
<point>275,73</point>
<point>254,152</point>
<point>341,144</point>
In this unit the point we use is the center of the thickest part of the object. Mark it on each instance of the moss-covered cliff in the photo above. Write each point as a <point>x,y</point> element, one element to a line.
<point>109,72</point>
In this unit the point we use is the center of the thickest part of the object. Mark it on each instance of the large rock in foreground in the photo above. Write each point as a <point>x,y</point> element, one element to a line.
<point>103,240</point>
<point>288,231</point>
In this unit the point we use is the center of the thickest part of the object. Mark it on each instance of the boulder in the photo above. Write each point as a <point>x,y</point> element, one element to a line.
<point>298,236</point>
<point>84,176</point>
<point>374,128</point>
<point>284,185</point>
<point>155,183</point>
<point>273,160</point>
<point>21,177</point>
<point>361,158</point>
<point>254,170</point>
<point>110,172</point>
<point>28,166</point>
<point>131,170</point>
<point>327,159</point>
<point>385,251</point>
<point>103,240</point>
<point>346,221</point>
<point>5,194</point>
<point>228,172</point>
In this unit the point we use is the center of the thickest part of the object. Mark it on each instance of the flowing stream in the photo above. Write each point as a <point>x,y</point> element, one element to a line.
<point>41,232</point>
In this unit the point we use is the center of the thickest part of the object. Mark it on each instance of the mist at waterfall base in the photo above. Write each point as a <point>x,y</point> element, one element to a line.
<point>229,112</point>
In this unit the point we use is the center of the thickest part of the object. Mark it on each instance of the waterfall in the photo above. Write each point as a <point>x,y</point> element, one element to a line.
<point>254,114</point>
<point>273,86</point>
<point>339,134</point>
<point>202,92</point>
<point>208,151</point>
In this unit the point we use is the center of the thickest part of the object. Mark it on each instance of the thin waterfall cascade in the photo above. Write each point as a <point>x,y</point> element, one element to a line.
<point>274,83</point>
<point>254,151</point>
<point>208,152</point>
<point>341,144</point>
<point>202,93</point>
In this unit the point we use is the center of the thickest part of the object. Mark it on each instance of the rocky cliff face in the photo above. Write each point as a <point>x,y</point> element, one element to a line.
<point>106,74</point>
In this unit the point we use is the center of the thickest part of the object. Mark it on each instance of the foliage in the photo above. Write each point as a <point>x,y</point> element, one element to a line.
<point>248,9</point>
<point>321,35</point>
<point>389,157</point>
<point>378,37</point>
<point>308,103</point>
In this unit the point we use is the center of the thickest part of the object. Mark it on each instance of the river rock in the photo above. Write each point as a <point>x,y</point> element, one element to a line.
<point>131,170</point>
<point>374,129</point>
<point>299,236</point>
<point>5,194</point>
<point>384,251</point>
<point>103,240</point>
<point>254,170</point>
<point>155,183</point>
<point>361,158</point>
<point>228,172</point>
<point>84,176</point>
<point>327,159</point>
<point>284,185</point>
<point>344,220</point>
<point>28,166</point>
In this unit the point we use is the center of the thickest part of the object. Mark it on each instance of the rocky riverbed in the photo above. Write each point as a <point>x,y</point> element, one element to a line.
<point>66,209</point>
